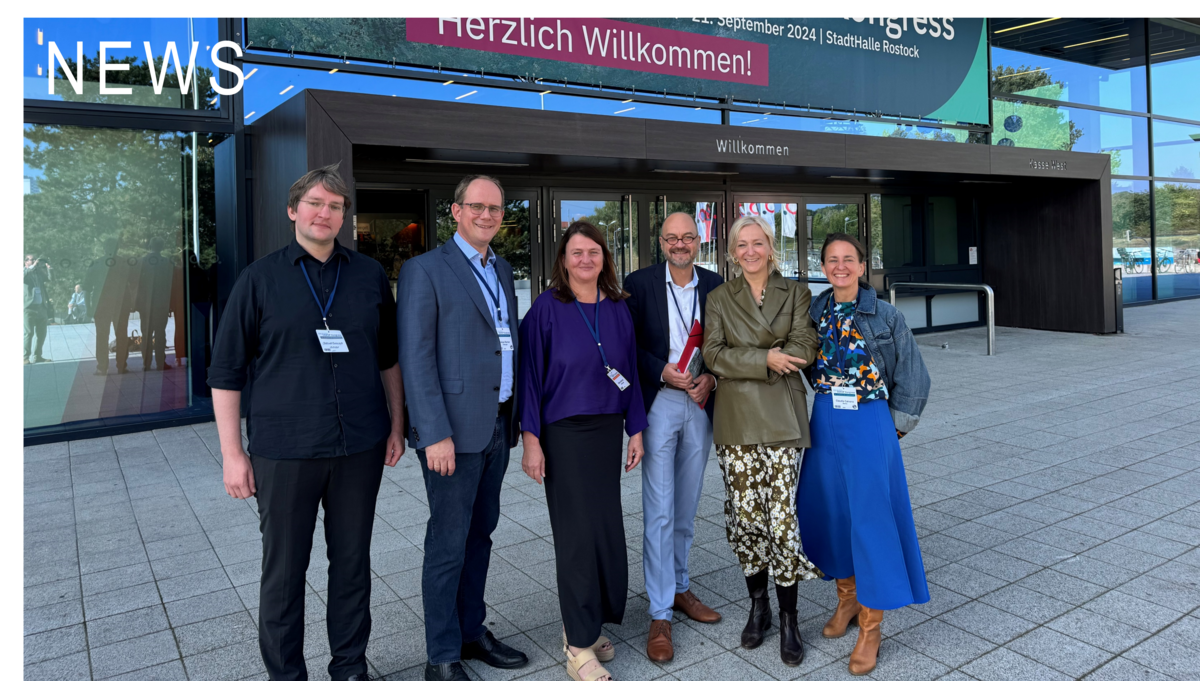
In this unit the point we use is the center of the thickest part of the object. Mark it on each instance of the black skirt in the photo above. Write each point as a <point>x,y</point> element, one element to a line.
<point>584,460</point>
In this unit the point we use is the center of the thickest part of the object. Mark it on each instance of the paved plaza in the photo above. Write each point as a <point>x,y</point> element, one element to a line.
<point>1056,489</point>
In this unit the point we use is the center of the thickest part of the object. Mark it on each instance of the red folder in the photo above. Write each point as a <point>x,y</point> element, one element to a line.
<point>690,360</point>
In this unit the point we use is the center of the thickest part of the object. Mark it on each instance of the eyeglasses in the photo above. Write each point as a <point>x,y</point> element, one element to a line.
<point>335,208</point>
<point>477,209</point>
<point>686,238</point>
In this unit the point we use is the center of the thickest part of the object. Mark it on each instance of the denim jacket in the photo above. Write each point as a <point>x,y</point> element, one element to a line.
<point>894,350</point>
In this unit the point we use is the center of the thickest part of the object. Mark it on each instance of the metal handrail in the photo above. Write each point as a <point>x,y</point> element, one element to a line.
<point>991,303</point>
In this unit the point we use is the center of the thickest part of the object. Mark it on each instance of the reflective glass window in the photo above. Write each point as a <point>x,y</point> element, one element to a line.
<point>616,220</point>
<point>1100,62</point>
<point>896,239</point>
<point>1131,237</point>
<point>129,67</point>
<point>774,120</point>
<point>1175,69</point>
<point>1177,238</point>
<point>1040,126</point>
<point>119,271</point>
<point>703,212</point>
<point>513,242</point>
<point>269,86</point>
<point>1177,149</point>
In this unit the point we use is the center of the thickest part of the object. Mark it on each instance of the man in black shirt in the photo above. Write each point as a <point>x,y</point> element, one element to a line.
<point>309,337</point>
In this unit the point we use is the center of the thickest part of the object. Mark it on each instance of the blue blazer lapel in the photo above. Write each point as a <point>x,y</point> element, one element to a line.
<point>458,264</point>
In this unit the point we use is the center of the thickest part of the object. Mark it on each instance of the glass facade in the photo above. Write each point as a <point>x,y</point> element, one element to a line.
<point>133,73</point>
<point>122,275</point>
<point>1148,69</point>
<point>119,249</point>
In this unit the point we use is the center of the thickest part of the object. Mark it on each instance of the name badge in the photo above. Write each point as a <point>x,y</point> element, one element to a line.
<point>505,335</point>
<point>844,397</point>
<point>332,341</point>
<point>616,377</point>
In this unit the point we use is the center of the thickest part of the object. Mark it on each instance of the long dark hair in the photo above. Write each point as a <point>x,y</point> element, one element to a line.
<point>560,281</point>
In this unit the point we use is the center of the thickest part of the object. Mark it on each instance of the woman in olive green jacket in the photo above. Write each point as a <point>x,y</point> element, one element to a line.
<point>758,338</point>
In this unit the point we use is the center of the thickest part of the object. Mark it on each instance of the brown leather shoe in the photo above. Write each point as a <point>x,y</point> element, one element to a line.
<point>866,650</point>
<point>847,609</point>
<point>659,647</point>
<point>693,608</point>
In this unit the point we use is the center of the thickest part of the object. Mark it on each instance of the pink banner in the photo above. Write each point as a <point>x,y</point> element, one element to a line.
<point>602,42</point>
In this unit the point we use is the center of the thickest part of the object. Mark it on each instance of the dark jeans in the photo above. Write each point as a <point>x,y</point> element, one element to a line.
<point>463,511</point>
<point>289,491</point>
<point>119,319</point>
<point>35,322</point>
<point>154,339</point>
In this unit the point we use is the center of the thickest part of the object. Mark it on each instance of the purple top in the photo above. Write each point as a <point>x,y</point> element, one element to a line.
<point>561,373</point>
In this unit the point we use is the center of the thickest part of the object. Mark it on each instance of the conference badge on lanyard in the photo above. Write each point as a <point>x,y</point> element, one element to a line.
<point>613,375</point>
<point>502,331</point>
<point>331,340</point>
<point>844,397</point>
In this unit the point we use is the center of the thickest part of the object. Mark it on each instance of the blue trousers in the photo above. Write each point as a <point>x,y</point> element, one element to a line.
<point>677,441</point>
<point>464,509</point>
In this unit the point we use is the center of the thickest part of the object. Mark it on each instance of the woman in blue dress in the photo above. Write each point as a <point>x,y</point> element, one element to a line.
<point>854,512</point>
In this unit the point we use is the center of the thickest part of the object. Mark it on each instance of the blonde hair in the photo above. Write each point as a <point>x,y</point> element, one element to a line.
<point>736,231</point>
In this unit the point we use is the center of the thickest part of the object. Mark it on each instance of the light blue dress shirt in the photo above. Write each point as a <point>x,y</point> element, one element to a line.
<point>488,270</point>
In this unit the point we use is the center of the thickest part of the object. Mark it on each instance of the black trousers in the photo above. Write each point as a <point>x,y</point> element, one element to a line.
<point>583,493</point>
<point>289,491</point>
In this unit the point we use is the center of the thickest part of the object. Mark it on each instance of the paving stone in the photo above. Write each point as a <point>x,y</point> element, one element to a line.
<point>1095,571</point>
<point>1062,586</point>
<point>216,633</point>
<point>72,667</point>
<point>964,580</point>
<point>110,603</point>
<point>945,643</point>
<point>1131,610</point>
<point>1004,665</point>
<point>1098,630</point>
<point>53,616</point>
<point>203,607</point>
<point>1164,655</point>
<point>1030,605</point>
<point>54,643</point>
<point>127,625</point>
<point>237,661</point>
<point>987,622</point>
<point>1124,669</point>
<point>133,654</point>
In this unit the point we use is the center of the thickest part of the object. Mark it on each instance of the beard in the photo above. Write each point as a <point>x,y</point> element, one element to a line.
<point>683,259</point>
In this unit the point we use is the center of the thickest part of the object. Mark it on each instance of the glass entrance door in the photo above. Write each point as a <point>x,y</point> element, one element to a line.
<point>798,239</point>
<point>615,215</point>
<point>824,217</point>
<point>708,212</point>
<point>513,242</point>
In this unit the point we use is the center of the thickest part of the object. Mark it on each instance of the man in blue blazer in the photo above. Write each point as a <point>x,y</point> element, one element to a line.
<point>457,328</point>
<point>666,300</point>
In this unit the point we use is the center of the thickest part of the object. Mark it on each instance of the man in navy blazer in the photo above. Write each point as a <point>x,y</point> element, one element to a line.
<point>457,329</point>
<point>666,300</point>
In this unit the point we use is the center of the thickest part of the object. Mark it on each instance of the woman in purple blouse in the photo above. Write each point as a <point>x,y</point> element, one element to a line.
<point>579,387</point>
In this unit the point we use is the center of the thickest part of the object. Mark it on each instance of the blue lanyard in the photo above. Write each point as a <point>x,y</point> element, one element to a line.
<point>687,323</point>
<point>329,303</point>
<point>495,296</point>
<point>594,329</point>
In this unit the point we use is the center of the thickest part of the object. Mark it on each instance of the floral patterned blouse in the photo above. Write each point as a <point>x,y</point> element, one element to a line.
<point>844,358</point>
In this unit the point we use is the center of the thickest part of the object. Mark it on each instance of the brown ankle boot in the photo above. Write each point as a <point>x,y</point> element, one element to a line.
<point>866,650</point>
<point>847,609</point>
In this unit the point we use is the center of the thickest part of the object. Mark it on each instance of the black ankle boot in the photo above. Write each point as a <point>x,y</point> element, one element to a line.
<point>791,648</point>
<point>760,611</point>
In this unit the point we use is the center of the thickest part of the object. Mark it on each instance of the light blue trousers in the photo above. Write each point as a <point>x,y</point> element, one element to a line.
<point>677,441</point>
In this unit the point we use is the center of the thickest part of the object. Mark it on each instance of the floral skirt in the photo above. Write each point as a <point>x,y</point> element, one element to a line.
<point>760,511</point>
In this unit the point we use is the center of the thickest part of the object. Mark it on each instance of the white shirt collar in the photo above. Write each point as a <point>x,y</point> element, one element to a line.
<point>694,282</point>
